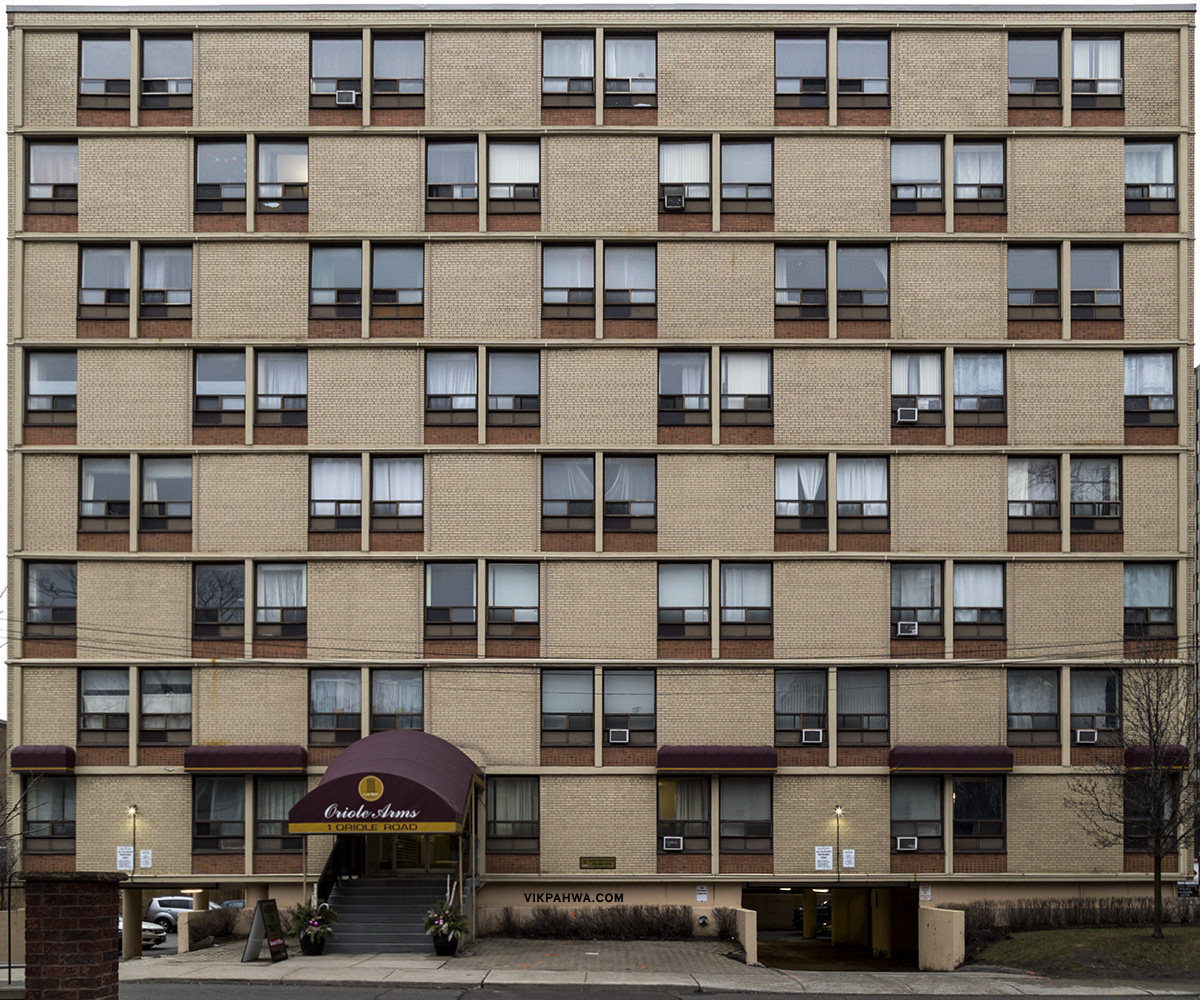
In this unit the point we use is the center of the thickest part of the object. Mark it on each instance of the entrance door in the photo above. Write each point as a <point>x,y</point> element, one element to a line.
<point>400,854</point>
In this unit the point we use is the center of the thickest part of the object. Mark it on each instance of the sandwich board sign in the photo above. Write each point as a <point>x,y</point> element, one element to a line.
<point>266,926</point>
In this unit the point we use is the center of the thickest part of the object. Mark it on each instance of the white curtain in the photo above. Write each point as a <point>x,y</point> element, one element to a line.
<point>1149,585</point>
<point>104,267</point>
<point>397,692</point>
<point>862,692</point>
<point>916,585</point>
<point>514,585</point>
<point>915,799</point>
<point>629,692</point>
<point>863,480</point>
<point>745,799</point>
<point>513,162</point>
<point>628,479</point>
<point>53,163</point>
<point>103,479</point>
<point>333,691</point>
<point>167,268</point>
<point>274,797</point>
<point>799,479</point>
<point>400,481</point>
<point>452,373</point>
<point>684,585</point>
<point>281,375</point>
<point>568,267</point>
<point>684,375</point>
<point>629,57</point>
<point>1032,692</point>
<point>282,585</point>
<point>916,162</point>
<point>745,162</point>
<point>798,268</point>
<point>167,480</point>
<point>567,479</point>
<point>630,267</point>
<point>1149,163</point>
<point>566,691</point>
<point>283,163</point>
<point>1097,59</point>
<point>977,163</point>
<point>977,586</point>
<point>978,374</point>
<point>104,691</point>
<point>1095,480</point>
<point>168,692</point>
<point>683,162</point>
<point>336,267</point>
<point>450,585</point>
<point>1033,479</point>
<point>862,268</point>
<point>568,57</point>
<point>1149,375</point>
<point>744,585</point>
<point>334,57</point>
<point>334,479</point>
<point>512,374</point>
<point>801,692</point>
<point>916,374</point>
<point>399,59</point>
<point>1093,692</point>
<point>513,800</point>
<point>746,373</point>
<point>51,374</point>
<point>452,163</point>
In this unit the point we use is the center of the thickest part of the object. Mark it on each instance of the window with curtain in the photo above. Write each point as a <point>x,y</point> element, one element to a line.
<point>568,493</point>
<point>512,815</point>
<point>450,600</point>
<point>1095,494</point>
<point>273,800</point>
<point>335,283</point>
<point>630,282</point>
<point>1150,177</point>
<point>568,70</point>
<point>745,826</point>
<point>514,175</point>
<point>862,707</point>
<point>218,814</point>
<point>334,493</point>
<point>1033,70</point>
<point>48,814</point>
<point>1149,600</point>
<point>1033,494</point>
<point>104,72</point>
<point>1032,706</point>
<point>979,177</point>
<point>104,494</point>
<point>514,378</point>
<point>1095,704</point>
<point>746,387</point>
<point>166,494</point>
<point>916,810</point>
<point>801,707</point>
<point>166,707</point>
<point>104,707</point>
<point>862,283</point>
<point>397,282</point>
<point>801,71</point>
<point>629,708</point>
<point>862,494</point>
<point>283,176</point>
<point>282,388</point>
<point>979,815</point>
<point>800,283</point>
<point>281,605</point>
<point>683,388</point>
<point>568,282</point>
<point>397,700</point>
<point>104,282</point>
<point>52,178</point>
<point>219,600</point>
<point>683,174</point>
<point>683,601</point>
<point>917,177</point>
<point>917,597</point>
<point>746,600</point>
<point>1096,72</point>
<point>630,493</point>
<point>630,69</point>
<point>567,708</point>
<point>397,493</point>
<point>1033,283</point>
<point>398,72</point>
<point>451,387</point>
<point>334,706</point>
<point>1095,282</point>
<point>1150,389</point>
<point>978,389</point>
<point>50,387</point>
<point>166,282</point>
<point>800,494</point>
<point>978,601</point>
<point>917,389</point>
<point>451,174</point>
<point>683,815</point>
<point>862,64</point>
<point>512,600</point>
<point>747,176</point>
<point>220,177</point>
<point>166,71</point>
<point>336,72</point>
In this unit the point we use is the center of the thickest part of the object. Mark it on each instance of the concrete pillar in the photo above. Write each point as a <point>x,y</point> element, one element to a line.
<point>831,280</point>
<point>839,917</point>
<point>831,64</point>
<point>1065,83</point>
<point>810,914</point>
<point>131,919</point>
<point>368,61</point>
<point>200,899</point>
<point>881,923</point>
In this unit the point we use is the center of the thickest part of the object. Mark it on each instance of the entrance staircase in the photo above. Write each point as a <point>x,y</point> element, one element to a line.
<point>383,915</point>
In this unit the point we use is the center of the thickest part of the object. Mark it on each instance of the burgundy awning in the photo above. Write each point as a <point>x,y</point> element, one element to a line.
<point>943,760</point>
<point>1173,758</point>
<point>42,760</point>
<point>246,759</point>
<point>717,760</point>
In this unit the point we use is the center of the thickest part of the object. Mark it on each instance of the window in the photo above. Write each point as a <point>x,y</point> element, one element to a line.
<point>862,282</point>
<point>273,800</point>
<point>512,600</point>
<point>1096,73</point>
<point>52,178</point>
<point>335,494</point>
<point>568,282</point>
<point>629,708</point>
<point>683,383</point>
<point>630,68</point>
<point>335,283</point>
<point>917,600</point>
<point>568,493</point>
<point>1095,283</point>
<point>917,813</point>
<point>450,387</point>
<point>917,389</point>
<point>282,389</point>
<point>1149,600</point>
<point>1150,178</point>
<point>282,601</point>
<point>104,707</point>
<point>746,387</point>
<point>683,600</point>
<point>568,71</point>
<point>746,177</point>
<point>397,494</point>
<point>220,177</point>
<point>49,814</point>
<point>219,815</point>
<point>283,176</point>
<point>1095,706</point>
<point>452,177</point>
<point>800,283</point>
<point>166,71</point>
<point>1095,494</point>
<point>683,815</point>
<point>398,70</point>
<point>862,494</point>
<point>1149,389</point>
<point>397,700</point>
<point>220,388</point>
<point>336,80</point>
<point>801,73</point>
<point>683,176</point>
<point>800,494</point>
<point>1033,283</point>
<point>1151,806</point>
<point>978,601</point>
<point>745,815</point>
<point>1033,72</point>
<point>567,708</point>
<point>512,815</point>
<point>50,388</point>
<point>1032,706</point>
<point>746,600</point>
<point>514,177</point>
<point>978,389</point>
<point>50,600</point>
<point>219,609</point>
<point>862,707</point>
<point>104,494</point>
<point>104,72</point>
<point>917,178</point>
<point>104,282</point>
<point>979,178</point>
<point>1033,494</point>
<point>450,600</point>
<point>862,72</point>
<point>166,707</point>
<point>630,491</point>
<point>166,283</point>
<point>397,282</point>
<point>801,708</point>
<point>334,707</point>
<point>630,282</point>
<point>979,815</point>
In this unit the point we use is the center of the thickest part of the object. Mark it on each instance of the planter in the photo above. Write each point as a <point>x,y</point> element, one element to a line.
<point>445,945</point>
<point>313,946</point>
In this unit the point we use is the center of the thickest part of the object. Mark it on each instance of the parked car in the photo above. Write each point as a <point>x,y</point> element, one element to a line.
<point>165,910</point>
<point>152,934</point>
<point>824,916</point>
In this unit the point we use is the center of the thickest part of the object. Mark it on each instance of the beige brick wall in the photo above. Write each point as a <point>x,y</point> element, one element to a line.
<point>580,387</point>
<point>686,711</point>
<point>1068,610</point>
<point>1151,291</point>
<point>950,503</point>
<point>601,609</point>
<point>50,705</point>
<point>866,804</point>
<point>712,80</point>
<point>947,291</point>
<point>51,492</point>
<point>364,183</point>
<point>260,288</point>
<point>948,706</point>
<point>831,608</point>
<point>363,610</point>
<point>376,405</point>
<point>132,609</point>
<point>716,503</point>
<point>618,175</point>
<point>116,175</point>
<point>706,287</point>
<point>601,816</point>
<point>1029,797</point>
<point>51,292</point>
<point>510,62</point>
<point>133,404</point>
<point>1047,174</point>
<point>1150,493</point>
<point>163,820</point>
<point>489,713</point>
<point>483,291</point>
<point>51,78</point>
<point>813,390</point>
<point>251,79</point>
<point>484,503</point>
<point>1082,407</point>
<point>826,178</point>
<point>950,79</point>
<point>225,710</point>
<point>251,503</point>
<point>1151,79</point>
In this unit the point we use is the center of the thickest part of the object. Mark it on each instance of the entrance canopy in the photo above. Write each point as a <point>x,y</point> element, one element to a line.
<point>401,781</point>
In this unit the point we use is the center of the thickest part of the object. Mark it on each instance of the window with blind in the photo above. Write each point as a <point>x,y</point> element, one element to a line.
<point>568,282</point>
<point>514,177</point>
<point>1096,283</point>
<point>1033,71</point>
<point>979,601</point>
<point>104,707</point>
<point>1149,601</point>
<point>862,707</point>
<point>166,707</point>
<point>863,75</point>
<point>801,708</point>
<point>801,71</point>
<point>683,601</point>
<point>104,71</point>
<point>917,178</point>
<point>629,715</point>
<point>334,493</point>
<point>512,608</point>
<point>52,178</point>
<point>684,169</point>
<point>567,708</point>
<point>1032,707</point>
<point>568,71</point>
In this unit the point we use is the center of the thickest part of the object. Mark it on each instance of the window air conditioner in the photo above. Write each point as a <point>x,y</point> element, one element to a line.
<point>906,843</point>
<point>618,736</point>
<point>674,202</point>
<point>812,735</point>
<point>1085,735</point>
<point>345,97</point>
<point>906,414</point>
<point>906,628</point>
<point>672,843</point>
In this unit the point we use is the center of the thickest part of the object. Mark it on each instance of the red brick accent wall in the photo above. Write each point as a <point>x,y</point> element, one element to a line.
<point>281,222</point>
<point>1035,541</point>
<point>980,649</point>
<point>747,222</point>
<point>1097,329</point>
<point>1151,435</point>
<point>102,756</point>
<point>513,649</point>
<point>278,864</point>
<point>746,864</point>
<point>803,756</point>
<point>980,863</point>
<point>509,222</point>
<point>211,222</point>
<point>514,435</point>
<point>218,649</point>
<point>568,116</point>
<point>323,756</point>
<point>747,434</point>
<point>981,223</point>
<point>801,329</point>
<point>568,541</point>
<point>219,435</point>
<point>335,541</point>
<point>684,222</point>
<point>514,864</point>
<point>102,541</point>
<point>802,541</point>
<point>274,434</point>
<point>451,434</point>
<point>160,756</point>
<point>864,541</point>
<point>864,116</point>
<point>219,864</point>
<point>862,756</point>
<point>397,328</point>
<point>918,435</point>
<point>398,116</point>
<point>281,649</point>
<point>1151,649</point>
<point>801,116</point>
<point>913,649</point>
<point>684,864</point>
<point>631,116</point>
<point>747,649</point>
<point>568,756</point>
<point>918,223</point>
<point>49,435</point>
<point>630,756</point>
<point>1145,863</point>
<point>397,541</point>
<point>88,328</point>
<point>1037,756</point>
<point>71,950</point>
<point>165,116</point>
<point>571,329</point>
<point>451,647</point>
<point>39,223</point>
<point>912,862</point>
<point>48,649</point>
<point>685,649</point>
<point>630,329</point>
<point>981,435</point>
<point>451,222</point>
<point>1034,329</point>
<point>164,329</point>
<point>1087,756</point>
<point>1090,117</point>
<point>1146,223</point>
<point>336,116</point>
<point>630,541</point>
<point>47,863</point>
<point>102,117</point>
<point>1106,541</point>
<point>334,328</point>
<point>864,329</point>
<point>677,434</point>
<point>1034,116</point>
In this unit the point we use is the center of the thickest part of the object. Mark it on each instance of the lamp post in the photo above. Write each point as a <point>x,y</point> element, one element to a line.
<point>837,813</point>
<point>133,863</point>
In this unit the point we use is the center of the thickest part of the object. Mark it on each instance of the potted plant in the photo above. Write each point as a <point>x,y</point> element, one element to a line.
<point>446,924</point>
<point>313,922</point>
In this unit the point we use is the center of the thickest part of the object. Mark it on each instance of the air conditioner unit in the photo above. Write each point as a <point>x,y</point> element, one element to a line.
<point>345,97</point>
<point>674,202</point>
<point>906,628</point>
<point>672,843</point>
<point>812,735</point>
<point>1085,735</point>
<point>618,736</point>
<point>906,843</point>
<point>906,414</point>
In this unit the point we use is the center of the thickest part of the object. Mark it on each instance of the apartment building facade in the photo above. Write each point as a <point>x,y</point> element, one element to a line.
<point>732,433</point>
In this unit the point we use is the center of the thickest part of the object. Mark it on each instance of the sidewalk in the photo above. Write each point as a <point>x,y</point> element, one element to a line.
<point>691,965</point>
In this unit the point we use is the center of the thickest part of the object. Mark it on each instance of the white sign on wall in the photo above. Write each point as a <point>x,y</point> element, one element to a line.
<point>848,858</point>
<point>824,859</point>
<point>146,858</point>
<point>125,859</point>
<point>926,893</point>
<point>701,894</point>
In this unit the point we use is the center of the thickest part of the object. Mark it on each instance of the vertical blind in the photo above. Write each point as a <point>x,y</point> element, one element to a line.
<point>683,162</point>
<point>801,692</point>
<point>332,691</point>
<point>513,162</point>
<point>397,692</point>
<point>746,373</point>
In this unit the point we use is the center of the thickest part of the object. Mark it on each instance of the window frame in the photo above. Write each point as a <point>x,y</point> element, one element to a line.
<point>220,840</point>
<point>852,515</point>
<point>397,717</point>
<point>811,91</point>
<point>113,728</point>
<point>207,620</point>
<point>507,836</point>
<point>1034,515</point>
<point>747,621</point>
<point>155,303</point>
<point>932,626</point>
<point>440,408</point>
<point>386,97</point>
<point>1086,303</point>
<point>1098,516</point>
<point>62,408</point>
<point>64,198</point>
<point>214,199</point>
<point>285,621</point>
<point>1141,199</point>
<point>322,98</point>
<point>630,303</point>
<point>1150,621</point>
<point>521,198</point>
<point>1040,95</point>
<point>580,519</point>
<point>293,195</point>
<point>580,301</point>
<point>459,197</point>
<point>927,842</point>
<point>1137,415</point>
<point>170,735</point>
<point>930,407</point>
<point>112,95</point>
<point>976,840</point>
<point>989,198</point>
<point>115,514</point>
<point>55,834</point>
<point>696,833</point>
<point>1034,304</point>
<point>984,413</point>
<point>386,302</point>
<point>635,723</point>
<point>581,96</point>
<point>673,621</point>
<point>1033,728</point>
<point>1137,828</point>
<point>809,515</point>
<point>791,733</point>
<point>627,97</point>
<point>751,199</point>
<point>989,622</point>
<point>155,97</point>
<point>1084,97</point>
<point>577,728</point>
<point>116,299</point>
<point>699,203</point>
<point>347,299</point>
<point>755,409</point>
<point>271,832</point>
<point>208,415</point>
<point>864,728</point>
<point>507,621</point>
<point>850,96</point>
<point>796,303</point>
<point>746,836</point>
<point>673,409</point>
<point>1108,734</point>
<point>55,620</point>
<point>864,303</point>
<point>346,513</point>
<point>292,410</point>
<point>922,200</point>
<point>630,515</point>
<point>391,519</point>
<point>332,733</point>
<point>450,621</point>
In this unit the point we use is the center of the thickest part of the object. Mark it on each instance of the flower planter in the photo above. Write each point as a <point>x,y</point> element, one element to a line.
<point>313,946</point>
<point>445,945</point>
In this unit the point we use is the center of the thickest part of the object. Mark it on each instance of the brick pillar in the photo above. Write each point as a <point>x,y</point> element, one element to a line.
<point>71,935</point>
